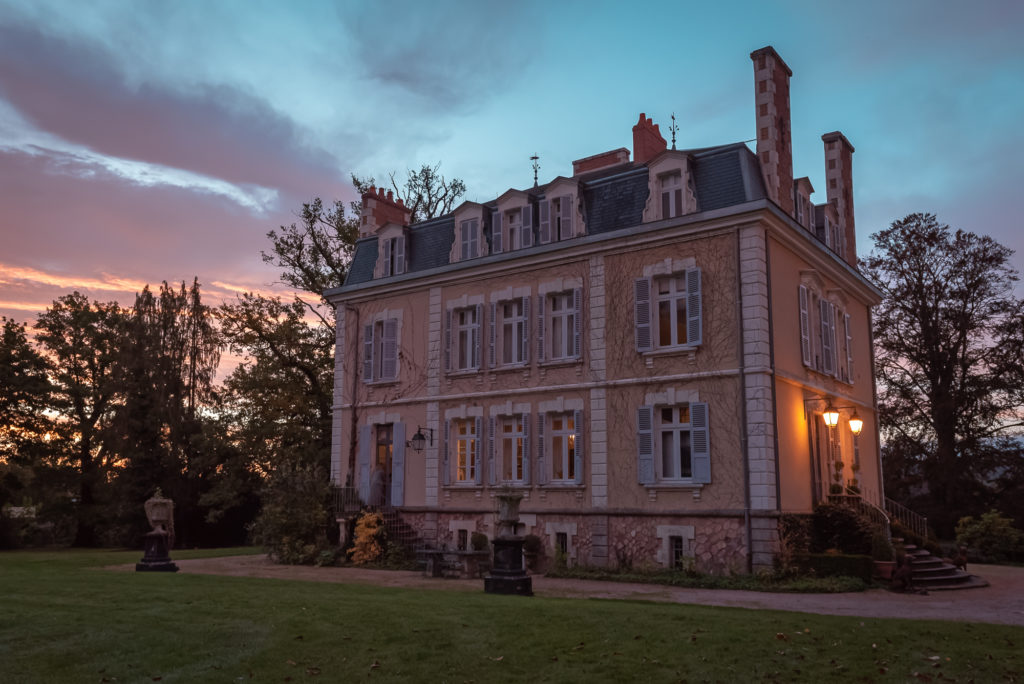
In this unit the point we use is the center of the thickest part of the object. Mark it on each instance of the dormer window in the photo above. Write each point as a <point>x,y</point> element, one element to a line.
<point>561,213</point>
<point>671,194</point>
<point>470,241</point>
<point>392,255</point>
<point>512,229</point>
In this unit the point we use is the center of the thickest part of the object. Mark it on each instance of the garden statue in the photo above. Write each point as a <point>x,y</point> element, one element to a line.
<point>508,575</point>
<point>160,514</point>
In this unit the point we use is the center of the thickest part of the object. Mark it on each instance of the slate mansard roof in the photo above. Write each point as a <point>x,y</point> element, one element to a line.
<point>613,199</point>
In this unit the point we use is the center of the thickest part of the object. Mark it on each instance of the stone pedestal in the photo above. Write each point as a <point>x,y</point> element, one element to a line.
<point>156,557</point>
<point>508,576</point>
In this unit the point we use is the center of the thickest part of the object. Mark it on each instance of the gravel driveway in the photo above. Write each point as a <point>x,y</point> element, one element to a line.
<point>1002,602</point>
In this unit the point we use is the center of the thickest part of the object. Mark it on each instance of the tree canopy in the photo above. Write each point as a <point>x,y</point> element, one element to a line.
<point>949,337</point>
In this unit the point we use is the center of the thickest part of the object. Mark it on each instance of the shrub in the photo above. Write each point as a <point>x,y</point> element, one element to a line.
<point>881,548</point>
<point>838,565</point>
<point>478,541</point>
<point>839,527</point>
<point>991,537</point>
<point>794,539</point>
<point>368,545</point>
<point>533,544</point>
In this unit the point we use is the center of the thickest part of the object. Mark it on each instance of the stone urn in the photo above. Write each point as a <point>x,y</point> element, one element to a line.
<point>508,576</point>
<point>159,540</point>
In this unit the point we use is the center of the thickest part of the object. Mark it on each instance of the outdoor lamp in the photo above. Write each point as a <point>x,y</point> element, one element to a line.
<point>856,423</point>
<point>419,439</point>
<point>830,416</point>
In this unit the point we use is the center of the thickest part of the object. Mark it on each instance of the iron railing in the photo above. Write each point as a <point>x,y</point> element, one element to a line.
<point>916,523</point>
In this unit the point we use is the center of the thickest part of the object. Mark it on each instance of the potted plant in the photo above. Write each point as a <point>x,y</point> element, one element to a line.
<point>882,555</point>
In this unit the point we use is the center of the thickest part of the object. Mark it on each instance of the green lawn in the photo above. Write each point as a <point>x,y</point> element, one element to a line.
<point>62,619</point>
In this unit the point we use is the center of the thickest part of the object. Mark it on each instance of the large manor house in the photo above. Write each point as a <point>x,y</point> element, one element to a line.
<point>663,351</point>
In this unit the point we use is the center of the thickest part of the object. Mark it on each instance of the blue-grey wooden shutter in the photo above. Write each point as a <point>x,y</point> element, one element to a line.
<point>524,348</point>
<point>446,471</point>
<point>496,231</point>
<point>389,350</point>
<point>578,426</point>
<point>368,353</point>
<point>694,328</point>
<point>645,444</point>
<point>448,340</point>
<point>491,471</point>
<point>477,356</point>
<point>363,457</point>
<point>700,447</point>
<point>826,338</point>
<point>527,234</point>
<point>526,448</point>
<point>849,348</point>
<point>398,465</point>
<point>832,338</point>
<point>540,327</point>
<point>478,475</point>
<point>642,313</point>
<point>542,471</point>
<point>566,206</point>
<point>577,321</point>
<point>805,326</point>
<point>492,354</point>
<point>543,209</point>
<point>386,245</point>
<point>400,255</point>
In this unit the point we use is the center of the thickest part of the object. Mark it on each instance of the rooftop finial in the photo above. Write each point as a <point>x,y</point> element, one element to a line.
<point>673,128</point>
<point>536,167</point>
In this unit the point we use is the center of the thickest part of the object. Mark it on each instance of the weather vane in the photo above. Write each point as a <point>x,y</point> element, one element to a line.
<point>673,128</point>
<point>536,167</point>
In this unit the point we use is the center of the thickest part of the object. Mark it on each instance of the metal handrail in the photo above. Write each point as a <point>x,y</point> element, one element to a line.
<point>915,522</point>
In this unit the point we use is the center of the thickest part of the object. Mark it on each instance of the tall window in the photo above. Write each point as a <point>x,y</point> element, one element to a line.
<point>510,336</point>
<point>469,234</point>
<point>561,215</point>
<point>674,435</point>
<point>465,450</point>
<point>668,311</point>
<point>671,195</point>
<point>380,350</point>
<point>671,302</point>
<point>561,325</point>
<point>673,445</point>
<point>462,338</point>
<point>513,443</point>
<point>393,255</point>
<point>563,448</point>
<point>513,230</point>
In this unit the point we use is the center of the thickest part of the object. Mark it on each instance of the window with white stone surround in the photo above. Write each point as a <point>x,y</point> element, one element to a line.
<point>508,447</point>
<point>559,321</point>
<point>667,307</point>
<point>560,447</point>
<point>673,439</point>
<point>469,239</point>
<point>462,328</point>
<point>509,332</point>
<point>460,447</point>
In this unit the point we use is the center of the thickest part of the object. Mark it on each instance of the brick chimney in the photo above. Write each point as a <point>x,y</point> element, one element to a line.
<point>380,208</point>
<point>647,140</point>
<point>774,138</point>
<point>839,187</point>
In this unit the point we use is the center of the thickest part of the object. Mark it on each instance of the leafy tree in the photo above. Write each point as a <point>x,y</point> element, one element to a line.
<point>24,392</point>
<point>82,340</point>
<point>949,336</point>
<point>279,403</point>
<point>169,353</point>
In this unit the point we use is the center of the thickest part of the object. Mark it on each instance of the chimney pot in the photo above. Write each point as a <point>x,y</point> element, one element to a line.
<point>647,140</point>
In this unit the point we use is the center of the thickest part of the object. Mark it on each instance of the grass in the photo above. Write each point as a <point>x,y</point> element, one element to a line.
<point>63,619</point>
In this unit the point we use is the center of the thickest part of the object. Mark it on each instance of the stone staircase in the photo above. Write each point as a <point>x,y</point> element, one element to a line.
<point>934,574</point>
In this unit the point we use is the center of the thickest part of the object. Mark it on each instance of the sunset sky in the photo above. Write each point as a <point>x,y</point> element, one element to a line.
<point>149,141</point>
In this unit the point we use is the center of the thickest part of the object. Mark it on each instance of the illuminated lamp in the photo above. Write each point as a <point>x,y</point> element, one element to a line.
<point>830,416</point>
<point>856,423</point>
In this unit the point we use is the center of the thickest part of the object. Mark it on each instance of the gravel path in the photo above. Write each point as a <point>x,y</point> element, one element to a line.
<point>1002,602</point>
